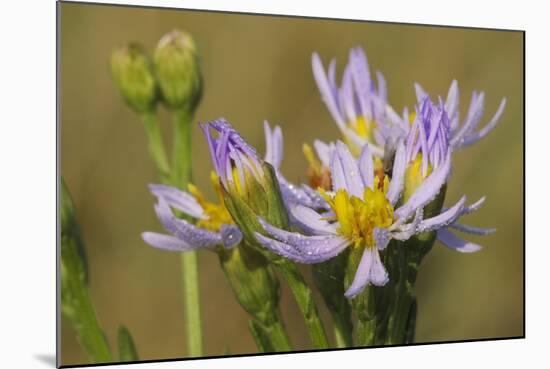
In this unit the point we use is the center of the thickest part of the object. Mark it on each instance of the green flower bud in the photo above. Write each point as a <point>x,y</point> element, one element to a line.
<point>178,71</point>
<point>133,75</point>
<point>246,201</point>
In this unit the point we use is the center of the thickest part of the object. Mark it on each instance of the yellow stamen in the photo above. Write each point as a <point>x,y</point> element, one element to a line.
<point>357,218</point>
<point>414,176</point>
<point>412,117</point>
<point>216,214</point>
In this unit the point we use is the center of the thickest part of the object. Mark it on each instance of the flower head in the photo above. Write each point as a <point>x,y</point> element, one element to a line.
<point>213,225</point>
<point>364,214</point>
<point>357,106</point>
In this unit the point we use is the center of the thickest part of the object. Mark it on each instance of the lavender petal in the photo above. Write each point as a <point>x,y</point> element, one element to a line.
<point>452,241</point>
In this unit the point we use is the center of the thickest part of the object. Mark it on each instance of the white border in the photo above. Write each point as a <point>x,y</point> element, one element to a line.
<point>27,196</point>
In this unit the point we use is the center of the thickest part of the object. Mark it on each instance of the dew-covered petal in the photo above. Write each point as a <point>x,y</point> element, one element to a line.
<point>427,191</point>
<point>316,252</point>
<point>326,90</point>
<point>361,78</point>
<point>302,195</point>
<point>486,129</point>
<point>317,244</point>
<point>370,270</point>
<point>345,172</point>
<point>451,103</point>
<point>382,238</point>
<point>231,235</point>
<point>310,221</point>
<point>444,218</point>
<point>456,243</point>
<point>475,111</point>
<point>166,242</point>
<point>472,230</point>
<point>188,233</point>
<point>474,207</point>
<point>180,200</point>
<point>366,167</point>
<point>398,174</point>
<point>403,232</point>
<point>273,145</point>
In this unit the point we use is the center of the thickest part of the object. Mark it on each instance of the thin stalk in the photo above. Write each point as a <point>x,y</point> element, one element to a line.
<point>270,338</point>
<point>181,177</point>
<point>342,329</point>
<point>366,332</point>
<point>304,298</point>
<point>155,144</point>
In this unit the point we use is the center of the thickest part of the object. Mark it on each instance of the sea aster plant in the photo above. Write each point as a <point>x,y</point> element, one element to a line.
<point>365,215</point>
<point>357,106</point>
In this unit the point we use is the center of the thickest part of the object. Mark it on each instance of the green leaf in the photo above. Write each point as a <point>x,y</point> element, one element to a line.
<point>126,347</point>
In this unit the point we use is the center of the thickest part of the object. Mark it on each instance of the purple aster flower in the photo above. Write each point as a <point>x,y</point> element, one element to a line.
<point>358,107</point>
<point>428,143</point>
<point>465,133</point>
<point>213,225</point>
<point>364,214</point>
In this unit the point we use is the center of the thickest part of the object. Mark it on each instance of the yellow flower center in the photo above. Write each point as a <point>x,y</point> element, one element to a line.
<point>216,214</point>
<point>357,218</point>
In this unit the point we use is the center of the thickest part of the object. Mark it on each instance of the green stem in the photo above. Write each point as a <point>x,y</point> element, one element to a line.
<point>329,280</point>
<point>181,177</point>
<point>366,330</point>
<point>342,329</point>
<point>155,144</point>
<point>181,154</point>
<point>270,338</point>
<point>190,281</point>
<point>303,295</point>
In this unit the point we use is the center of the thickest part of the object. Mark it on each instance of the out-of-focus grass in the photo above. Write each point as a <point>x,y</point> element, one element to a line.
<point>257,68</point>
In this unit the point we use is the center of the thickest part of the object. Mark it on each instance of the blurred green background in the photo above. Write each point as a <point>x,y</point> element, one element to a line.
<point>256,68</point>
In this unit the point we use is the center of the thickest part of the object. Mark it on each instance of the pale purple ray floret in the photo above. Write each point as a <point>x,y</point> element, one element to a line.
<point>466,133</point>
<point>356,97</point>
<point>324,240</point>
<point>184,235</point>
<point>292,194</point>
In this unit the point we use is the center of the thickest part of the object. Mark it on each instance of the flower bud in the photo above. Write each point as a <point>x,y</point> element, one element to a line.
<point>178,71</point>
<point>133,75</point>
<point>250,185</point>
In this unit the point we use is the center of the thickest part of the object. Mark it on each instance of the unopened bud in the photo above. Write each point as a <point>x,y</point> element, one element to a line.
<point>178,71</point>
<point>133,75</point>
